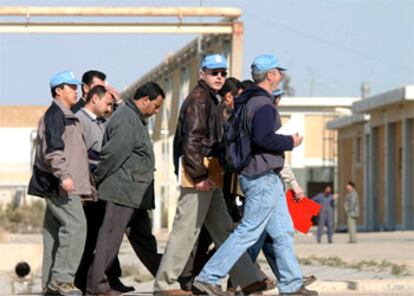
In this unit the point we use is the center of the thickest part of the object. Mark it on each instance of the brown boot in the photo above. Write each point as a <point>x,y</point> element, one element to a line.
<point>259,286</point>
<point>177,292</point>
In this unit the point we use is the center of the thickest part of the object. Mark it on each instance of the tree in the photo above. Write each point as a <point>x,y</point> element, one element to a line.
<point>287,88</point>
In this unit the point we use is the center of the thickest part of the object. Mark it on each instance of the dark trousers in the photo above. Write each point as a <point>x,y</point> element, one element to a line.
<point>136,224</point>
<point>325,219</point>
<point>94,212</point>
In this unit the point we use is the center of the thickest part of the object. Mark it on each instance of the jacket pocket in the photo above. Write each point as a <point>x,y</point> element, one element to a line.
<point>139,176</point>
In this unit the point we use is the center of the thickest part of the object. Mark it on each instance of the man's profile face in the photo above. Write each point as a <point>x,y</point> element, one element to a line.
<point>151,107</point>
<point>68,93</point>
<point>102,106</point>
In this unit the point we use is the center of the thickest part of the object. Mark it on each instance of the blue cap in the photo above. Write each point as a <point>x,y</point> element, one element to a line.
<point>266,62</point>
<point>66,77</point>
<point>214,61</point>
<point>278,92</point>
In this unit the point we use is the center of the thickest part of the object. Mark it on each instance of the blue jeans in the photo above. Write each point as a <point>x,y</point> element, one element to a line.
<point>265,211</point>
<point>265,243</point>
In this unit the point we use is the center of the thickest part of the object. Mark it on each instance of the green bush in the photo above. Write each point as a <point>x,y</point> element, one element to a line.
<point>27,218</point>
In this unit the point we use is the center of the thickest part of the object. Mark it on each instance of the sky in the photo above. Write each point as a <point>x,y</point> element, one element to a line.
<point>329,47</point>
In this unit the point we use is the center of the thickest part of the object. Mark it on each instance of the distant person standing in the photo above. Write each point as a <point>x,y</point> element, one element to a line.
<point>352,210</point>
<point>327,201</point>
<point>61,175</point>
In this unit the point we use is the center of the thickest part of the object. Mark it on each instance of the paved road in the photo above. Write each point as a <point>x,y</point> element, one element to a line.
<point>394,247</point>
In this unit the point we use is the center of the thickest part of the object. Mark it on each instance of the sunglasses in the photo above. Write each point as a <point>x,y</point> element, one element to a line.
<point>217,72</point>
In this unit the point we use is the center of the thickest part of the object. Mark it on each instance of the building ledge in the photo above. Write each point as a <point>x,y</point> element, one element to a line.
<point>346,121</point>
<point>395,96</point>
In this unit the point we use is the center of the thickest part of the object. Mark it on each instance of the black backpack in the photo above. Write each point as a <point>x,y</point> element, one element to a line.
<point>236,152</point>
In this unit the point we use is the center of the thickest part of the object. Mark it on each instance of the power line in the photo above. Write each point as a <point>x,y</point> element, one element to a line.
<point>322,40</point>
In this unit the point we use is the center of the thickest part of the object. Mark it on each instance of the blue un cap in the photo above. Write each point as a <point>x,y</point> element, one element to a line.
<point>278,92</point>
<point>214,61</point>
<point>266,62</point>
<point>66,77</point>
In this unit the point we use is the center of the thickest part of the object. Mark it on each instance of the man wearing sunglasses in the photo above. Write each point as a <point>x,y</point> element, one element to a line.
<point>197,138</point>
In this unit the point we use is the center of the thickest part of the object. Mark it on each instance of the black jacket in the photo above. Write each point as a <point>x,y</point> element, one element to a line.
<point>199,131</point>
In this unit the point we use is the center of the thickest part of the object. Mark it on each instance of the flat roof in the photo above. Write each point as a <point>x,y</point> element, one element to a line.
<point>345,121</point>
<point>318,101</point>
<point>394,96</point>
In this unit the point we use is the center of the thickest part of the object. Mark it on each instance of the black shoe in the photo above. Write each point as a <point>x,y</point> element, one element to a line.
<point>209,289</point>
<point>300,292</point>
<point>117,285</point>
<point>308,280</point>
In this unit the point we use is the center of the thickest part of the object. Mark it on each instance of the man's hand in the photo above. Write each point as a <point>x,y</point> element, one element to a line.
<point>205,185</point>
<point>335,196</point>
<point>297,140</point>
<point>68,185</point>
<point>299,194</point>
<point>114,93</point>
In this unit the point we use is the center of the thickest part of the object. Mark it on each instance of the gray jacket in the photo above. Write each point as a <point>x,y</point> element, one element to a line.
<point>125,173</point>
<point>352,204</point>
<point>94,129</point>
<point>60,154</point>
<point>262,121</point>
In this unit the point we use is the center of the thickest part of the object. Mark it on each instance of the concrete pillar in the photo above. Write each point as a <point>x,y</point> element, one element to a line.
<point>372,197</point>
<point>367,191</point>
<point>407,175</point>
<point>389,169</point>
<point>237,50</point>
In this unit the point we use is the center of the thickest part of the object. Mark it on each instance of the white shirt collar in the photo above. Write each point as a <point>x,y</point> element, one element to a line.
<point>91,115</point>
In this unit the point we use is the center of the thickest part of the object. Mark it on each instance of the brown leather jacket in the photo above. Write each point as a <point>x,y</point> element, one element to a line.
<point>199,131</point>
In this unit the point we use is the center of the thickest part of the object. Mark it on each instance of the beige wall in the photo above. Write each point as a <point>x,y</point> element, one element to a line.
<point>319,140</point>
<point>351,166</point>
<point>20,116</point>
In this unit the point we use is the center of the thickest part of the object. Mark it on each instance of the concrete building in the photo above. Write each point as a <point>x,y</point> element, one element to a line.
<point>375,149</point>
<point>18,125</point>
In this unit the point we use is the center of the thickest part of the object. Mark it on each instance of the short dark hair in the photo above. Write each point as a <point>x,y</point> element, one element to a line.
<point>351,184</point>
<point>88,76</point>
<point>53,89</point>
<point>247,83</point>
<point>149,89</point>
<point>99,90</point>
<point>230,85</point>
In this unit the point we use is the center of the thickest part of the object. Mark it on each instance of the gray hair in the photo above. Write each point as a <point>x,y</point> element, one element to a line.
<point>259,76</point>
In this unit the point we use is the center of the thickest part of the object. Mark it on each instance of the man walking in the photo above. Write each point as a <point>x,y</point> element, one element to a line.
<point>125,180</point>
<point>92,117</point>
<point>352,211</point>
<point>265,207</point>
<point>197,140</point>
<point>61,175</point>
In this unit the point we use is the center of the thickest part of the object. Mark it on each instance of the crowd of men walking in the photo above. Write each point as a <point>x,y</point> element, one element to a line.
<point>95,165</point>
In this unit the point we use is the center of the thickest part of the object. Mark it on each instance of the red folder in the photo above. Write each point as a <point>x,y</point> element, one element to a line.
<point>302,211</point>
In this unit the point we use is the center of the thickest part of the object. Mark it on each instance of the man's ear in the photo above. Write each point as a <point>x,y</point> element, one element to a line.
<point>94,98</point>
<point>58,90</point>
<point>85,88</point>
<point>201,74</point>
<point>145,100</point>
